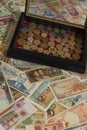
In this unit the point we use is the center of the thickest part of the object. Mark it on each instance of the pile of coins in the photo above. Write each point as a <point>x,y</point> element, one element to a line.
<point>50,41</point>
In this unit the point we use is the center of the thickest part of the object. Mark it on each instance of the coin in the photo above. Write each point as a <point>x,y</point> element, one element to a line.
<point>56,30</point>
<point>36,31</point>
<point>76,57</point>
<point>49,28</point>
<point>23,35</point>
<point>63,31</point>
<point>40,50</point>
<point>52,50</point>
<point>37,37</point>
<point>59,46</point>
<point>78,51</point>
<point>45,40</point>
<point>37,42</point>
<point>34,47</point>
<point>31,34</point>
<point>21,41</point>
<point>58,40</point>
<point>30,39</point>
<point>33,25</point>
<point>26,47</point>
<point>44,45</point>
<point>51,43</point>
<point>44,35</point>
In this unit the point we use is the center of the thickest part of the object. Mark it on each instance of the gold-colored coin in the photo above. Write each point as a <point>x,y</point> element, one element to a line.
<point>37,42</point>
<point>67,54</point>
<point>44,45</point>
<point>40,50</point>
<point>36,31</point>
<point>65,40</point>
<point>34,47</point>
<point>45,40</point>
<point>26,47</point>
<point>21,41</point>
<point>52,50</point>
<point>33,25</point>
<point>44,35</point>
<point>60,52</point>
<point>51,43</point>
<point>59,46</point>
<point>76,57</point>
<point>56,30</point>
<point>65,49</point>
<point>63,31</point>
<point>79,45</point>
<point>37,37</point>
<point>23,35</point>
<point>78,51</point>
<point>49,28</point>
<point>31,34</point>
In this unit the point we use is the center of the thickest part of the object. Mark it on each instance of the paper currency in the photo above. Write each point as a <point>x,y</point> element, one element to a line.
<point>15,113</point>
<point>68,87</point>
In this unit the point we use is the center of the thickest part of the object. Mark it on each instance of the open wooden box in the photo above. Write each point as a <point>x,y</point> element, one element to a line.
<point>51,33</point>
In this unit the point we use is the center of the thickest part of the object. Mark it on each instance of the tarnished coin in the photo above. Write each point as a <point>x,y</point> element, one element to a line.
<point>78,51</point>
<point>76,57</point>
<point>31,34</point>
<point>58,40</point>
<point>34,47</point>
<point>40,50</point>
<point>51,43</point>
<point>63,31</point>
<point>37,37</point>
<point>37,42</point>
<point>59,46</point>
<point>21,41</point>
<point>23,35</point>
<point>49,28</point>
<point>45,40</point>
<point>44,45</point>
<point>33,25</point>
<point>79,46</point>
<point>26,47</point>
<point>36,31</point>
<point>56,30</point>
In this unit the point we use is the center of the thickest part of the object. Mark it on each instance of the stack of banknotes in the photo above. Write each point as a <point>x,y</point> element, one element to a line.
<point>37,97</point>
<point>33,96</point>
<point>9,14</point>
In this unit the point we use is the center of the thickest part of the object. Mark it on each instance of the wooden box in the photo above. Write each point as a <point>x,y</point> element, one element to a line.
<point>51,33</point>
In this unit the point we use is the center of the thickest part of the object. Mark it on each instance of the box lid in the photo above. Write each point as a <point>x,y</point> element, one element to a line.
<point>67,12</point>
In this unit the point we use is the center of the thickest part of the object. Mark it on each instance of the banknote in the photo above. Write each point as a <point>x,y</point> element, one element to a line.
<point>78,127</point>
<point>24,65</point>
<point>42,96</point>
<point>20,83</point>
<point>5,94</point>
<point>83,4</point>
<point>9,71</point>
<point>55,126</point>
<point>43,73</point>
<point>73,14</point>
<point>16,94</point>
<point>82,77</point>
<point>22,2</point>
<point>16,112</point>
<point>54,109</point>
<point>68,87</point>
<point>4,11</point>
<point>73,116</point>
